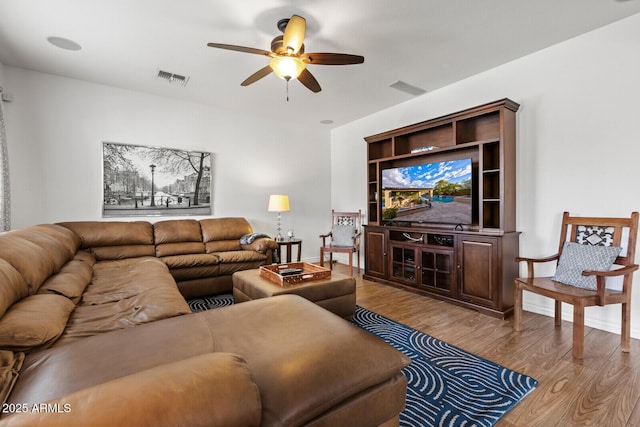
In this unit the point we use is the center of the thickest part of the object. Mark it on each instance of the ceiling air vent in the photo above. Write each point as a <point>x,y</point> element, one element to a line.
<point>407,88</point>
<point>171,78</point>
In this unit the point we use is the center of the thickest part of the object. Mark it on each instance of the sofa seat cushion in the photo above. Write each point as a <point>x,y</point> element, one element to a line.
<point>232,261</point>
<point>239,256</point>
<point>193,266</point>
<point>193,273</point>
<point>124,294</point>
<point>34,321</point>
<point>191,260</point>
<point>304,359</point>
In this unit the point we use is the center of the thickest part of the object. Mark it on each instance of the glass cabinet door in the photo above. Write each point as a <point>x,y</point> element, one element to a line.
<point>438,272</point>
<point>403,264</point>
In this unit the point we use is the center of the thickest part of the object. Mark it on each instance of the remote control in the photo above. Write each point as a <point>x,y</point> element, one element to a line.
<point>290,271</point>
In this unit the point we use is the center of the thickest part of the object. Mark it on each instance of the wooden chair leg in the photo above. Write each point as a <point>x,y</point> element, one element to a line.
<point>321,257</point>
<point>625,335</point>
<point>351,264</point>
<point>558,313</point>
<point>330,260</point>
<point>578,331</point>
<point>517,308</point>
<point>358,255</point>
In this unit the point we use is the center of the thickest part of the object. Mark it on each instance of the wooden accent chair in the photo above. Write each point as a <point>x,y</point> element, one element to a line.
<point>344,237</point>
<point>593,237</point>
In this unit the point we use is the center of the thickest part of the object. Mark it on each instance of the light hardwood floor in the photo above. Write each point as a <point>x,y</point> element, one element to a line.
<point>603,389</point>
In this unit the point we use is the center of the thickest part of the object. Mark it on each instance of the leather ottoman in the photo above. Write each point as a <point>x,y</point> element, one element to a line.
<point>336,293</point>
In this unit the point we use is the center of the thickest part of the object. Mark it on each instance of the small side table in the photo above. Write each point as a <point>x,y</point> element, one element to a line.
<point>289,243</point>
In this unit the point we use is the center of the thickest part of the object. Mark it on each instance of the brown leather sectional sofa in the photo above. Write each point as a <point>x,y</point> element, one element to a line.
<point>93,321</point>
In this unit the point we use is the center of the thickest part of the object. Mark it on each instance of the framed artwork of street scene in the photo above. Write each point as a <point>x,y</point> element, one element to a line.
<point>153,181</point>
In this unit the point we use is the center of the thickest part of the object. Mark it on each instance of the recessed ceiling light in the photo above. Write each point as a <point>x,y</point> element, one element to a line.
<point>63,43</point>
<point>326,121</point>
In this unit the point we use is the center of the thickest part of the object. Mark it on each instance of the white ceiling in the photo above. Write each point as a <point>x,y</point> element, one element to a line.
<point>426,43</point>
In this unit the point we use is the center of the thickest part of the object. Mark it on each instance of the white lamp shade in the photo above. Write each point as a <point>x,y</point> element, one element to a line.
<point>278,203</point>
<point>287,67</point>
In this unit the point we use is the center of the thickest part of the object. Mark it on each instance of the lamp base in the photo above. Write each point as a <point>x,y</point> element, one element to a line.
<point>278,236</point>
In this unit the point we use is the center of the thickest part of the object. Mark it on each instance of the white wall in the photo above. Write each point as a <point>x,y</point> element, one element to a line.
<point>578,140</point>
<point>55,129</point>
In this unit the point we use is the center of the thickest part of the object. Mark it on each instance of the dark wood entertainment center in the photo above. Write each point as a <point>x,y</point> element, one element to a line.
<point>472,264</point>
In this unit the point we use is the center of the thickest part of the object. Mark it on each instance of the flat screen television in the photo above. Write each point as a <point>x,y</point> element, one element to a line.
<point>438,192</point>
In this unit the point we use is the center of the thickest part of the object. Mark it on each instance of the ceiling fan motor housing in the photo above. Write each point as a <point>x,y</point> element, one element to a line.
<point>277,46</point>
<point>282,24</point>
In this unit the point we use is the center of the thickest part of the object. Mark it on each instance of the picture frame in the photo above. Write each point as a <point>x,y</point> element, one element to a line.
<point>141,180</point>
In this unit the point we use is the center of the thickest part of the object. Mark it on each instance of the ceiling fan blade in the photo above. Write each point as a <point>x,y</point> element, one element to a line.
<point>241,49</point>
<point>332,58</point>
<point>257,76</point>
<point>307,79</point>
<point>294,34</point>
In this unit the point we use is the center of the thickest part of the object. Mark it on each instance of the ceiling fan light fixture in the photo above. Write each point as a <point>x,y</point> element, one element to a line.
<point>287,67</point>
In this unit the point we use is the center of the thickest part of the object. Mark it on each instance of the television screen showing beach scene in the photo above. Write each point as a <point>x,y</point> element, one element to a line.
<point>432,192</point>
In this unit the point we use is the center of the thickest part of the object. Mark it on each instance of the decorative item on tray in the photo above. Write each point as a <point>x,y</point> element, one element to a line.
<point>293,273</point>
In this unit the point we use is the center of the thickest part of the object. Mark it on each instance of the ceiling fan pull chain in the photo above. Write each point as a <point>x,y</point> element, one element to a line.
<point>287,90</point>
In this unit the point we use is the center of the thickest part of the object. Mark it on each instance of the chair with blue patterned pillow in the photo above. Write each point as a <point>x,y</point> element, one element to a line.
<point>344,237</point>
<point>595,265</point>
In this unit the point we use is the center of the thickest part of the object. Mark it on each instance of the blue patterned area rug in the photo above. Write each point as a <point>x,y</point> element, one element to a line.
<point>447,386</point>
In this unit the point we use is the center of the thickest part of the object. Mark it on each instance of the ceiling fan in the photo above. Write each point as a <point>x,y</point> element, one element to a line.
<point>288,59</point>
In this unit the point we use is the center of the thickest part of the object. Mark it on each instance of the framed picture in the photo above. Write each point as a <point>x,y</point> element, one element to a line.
<point>153,181</point>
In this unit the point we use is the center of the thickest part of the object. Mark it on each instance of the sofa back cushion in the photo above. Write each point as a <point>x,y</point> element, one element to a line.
<point>12,286</point>
<point>110,240</point>
<point>34,321</point>
<point>223,234</point>
<point>37,252</point>
<point>178,237</point>
<point>72,279</point>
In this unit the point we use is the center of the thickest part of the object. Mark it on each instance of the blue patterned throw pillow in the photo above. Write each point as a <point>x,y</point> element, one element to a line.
<point>576,258</point>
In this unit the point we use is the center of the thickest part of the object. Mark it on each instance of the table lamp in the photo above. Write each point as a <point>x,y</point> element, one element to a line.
<point>278,203</point>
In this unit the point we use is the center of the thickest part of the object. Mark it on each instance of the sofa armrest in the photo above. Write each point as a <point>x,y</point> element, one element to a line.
<point>213,389</point>
<point>262,245</point>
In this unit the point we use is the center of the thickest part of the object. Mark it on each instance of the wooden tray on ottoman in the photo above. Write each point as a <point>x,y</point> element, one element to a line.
<point>309,272</point>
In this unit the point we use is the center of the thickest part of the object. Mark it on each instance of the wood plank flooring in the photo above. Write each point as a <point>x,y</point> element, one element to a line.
<point>603,389</point>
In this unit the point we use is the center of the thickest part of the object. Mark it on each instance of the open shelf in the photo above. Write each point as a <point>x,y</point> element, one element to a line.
<point>381,149</point>
<point>426,139</point>
<point>478,127</point>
